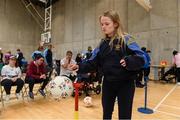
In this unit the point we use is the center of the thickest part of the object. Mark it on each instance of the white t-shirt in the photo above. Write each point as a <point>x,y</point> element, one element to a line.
<point>66,71</point>
<point>8,72</point>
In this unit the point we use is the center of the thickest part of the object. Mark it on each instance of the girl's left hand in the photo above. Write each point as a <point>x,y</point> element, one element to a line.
<point>123,62</point>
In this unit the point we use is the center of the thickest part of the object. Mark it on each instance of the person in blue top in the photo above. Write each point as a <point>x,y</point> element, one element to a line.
<point>119,58</point>
<point>148,58</point>
<point>89,52</point>
<point>145,70</point>
<point>40,51</point>
<point>48,55</point>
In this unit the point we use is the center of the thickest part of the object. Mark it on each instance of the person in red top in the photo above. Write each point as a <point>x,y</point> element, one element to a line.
<point>36,74</point>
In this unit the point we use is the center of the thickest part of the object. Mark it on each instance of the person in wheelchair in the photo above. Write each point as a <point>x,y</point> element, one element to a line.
<point>89,83</point>
<point>65,62</point>
<point>11,76</point>
<point>175,70</point>
<point>170,74</point>
<point>36,73</point>
<point>88,79</point>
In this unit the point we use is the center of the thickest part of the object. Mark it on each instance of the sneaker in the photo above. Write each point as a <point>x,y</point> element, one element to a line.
<point>139,85</point>
<point>7,98</point>
<point>31,95</point>
<point>42,92</point>
<point>18,96</point>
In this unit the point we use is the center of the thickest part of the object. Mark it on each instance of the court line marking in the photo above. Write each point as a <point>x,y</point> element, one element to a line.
<point>171,106</point>
<point>157,106</point>
<point>171,114</point>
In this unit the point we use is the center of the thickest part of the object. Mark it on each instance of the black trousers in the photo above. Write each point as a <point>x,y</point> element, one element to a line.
<point>124,91</point>
<point>178,74</point>
<point>31,81</point>
<point>49,70</point>
<point>7,83</point>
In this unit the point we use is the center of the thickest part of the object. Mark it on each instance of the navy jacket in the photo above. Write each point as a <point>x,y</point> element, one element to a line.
<point>109,60</point>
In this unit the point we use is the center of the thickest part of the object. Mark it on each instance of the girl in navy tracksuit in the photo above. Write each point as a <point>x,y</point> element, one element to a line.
<point>119,57</point>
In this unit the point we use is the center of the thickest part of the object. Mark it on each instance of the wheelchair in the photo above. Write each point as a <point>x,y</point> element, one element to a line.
<point>89,83</point>
<point>170,75</point>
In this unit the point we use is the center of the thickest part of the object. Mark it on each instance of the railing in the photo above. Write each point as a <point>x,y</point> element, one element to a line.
<point>34,12</point>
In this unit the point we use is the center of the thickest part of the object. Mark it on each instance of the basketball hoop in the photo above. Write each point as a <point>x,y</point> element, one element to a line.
<point>145,4</point>
<point>46,37</point>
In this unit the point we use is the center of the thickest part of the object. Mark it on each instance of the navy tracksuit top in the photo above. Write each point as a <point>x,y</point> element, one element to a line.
<point>108,60</point>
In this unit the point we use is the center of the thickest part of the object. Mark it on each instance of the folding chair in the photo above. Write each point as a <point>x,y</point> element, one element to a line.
<point>26,89</point>
<point>2,93</point>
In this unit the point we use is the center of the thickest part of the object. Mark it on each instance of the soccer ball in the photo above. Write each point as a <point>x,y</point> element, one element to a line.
<point>88,101</point>
<point>61,87</point>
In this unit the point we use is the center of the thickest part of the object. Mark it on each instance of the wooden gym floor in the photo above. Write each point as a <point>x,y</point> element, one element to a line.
<point>164,98</point>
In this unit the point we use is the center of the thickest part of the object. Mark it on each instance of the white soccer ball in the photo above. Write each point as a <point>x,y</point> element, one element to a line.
<point>88,101</point>
<point>61,87</point>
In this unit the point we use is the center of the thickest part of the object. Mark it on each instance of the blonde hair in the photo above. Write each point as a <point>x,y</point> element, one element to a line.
<point>119,30</point>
